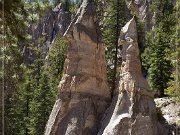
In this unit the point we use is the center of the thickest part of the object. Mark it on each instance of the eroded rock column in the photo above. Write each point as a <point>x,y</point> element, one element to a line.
<point>83,91</point>
<point>134,112</point>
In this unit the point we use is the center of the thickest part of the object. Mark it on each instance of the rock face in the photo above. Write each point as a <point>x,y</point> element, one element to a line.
<point>141,9</point>
<point>50,26</point>
<point>133,110</point>
<point>83,91</point>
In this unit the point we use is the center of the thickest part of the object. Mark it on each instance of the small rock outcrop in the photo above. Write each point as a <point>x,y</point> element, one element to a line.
<point>169,114</point>
<point>83,91</point>
<point>133,110</point>
<point>170,109</point>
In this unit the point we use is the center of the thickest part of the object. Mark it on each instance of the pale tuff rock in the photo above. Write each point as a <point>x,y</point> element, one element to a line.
<point>83,91</point>
<point>169,111</point>
<point>141,9</point>
<point>133,109</point>
<point>85,65</point>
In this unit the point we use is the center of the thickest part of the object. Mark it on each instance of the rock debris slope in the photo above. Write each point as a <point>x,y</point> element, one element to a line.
<point>83,91</point>
<point>134,111</point>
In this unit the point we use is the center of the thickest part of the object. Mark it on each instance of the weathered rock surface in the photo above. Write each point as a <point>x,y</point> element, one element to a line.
<point>141,9</point>
<point>133,110</point>
<point>50,26</point>
<point>83,91</point>
<point>170,109</point>
<point>169,114</point>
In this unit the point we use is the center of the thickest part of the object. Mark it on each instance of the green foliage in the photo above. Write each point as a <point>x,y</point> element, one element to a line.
<point>174,85</point>
<point>73,8</point>
<point>57,55</point>
<point>158,61</point>
<point>163,10</point>
<point>157,55</point>
<point>28,109</point>
<point>41,105</point>
<point>12,60</point>
<point>13,16</point>
<point>16,108</point>
<point>112,24</point>
<point>67,3</point>
<point>20,81</point>
<point>31,87</point>
<point>46,83</point>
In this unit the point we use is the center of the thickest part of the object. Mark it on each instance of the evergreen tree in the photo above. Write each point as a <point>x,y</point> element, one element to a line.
<point>159,62</point>
<point>13,34</point>
<point>18,83</point>
<point>56,58</point>
<point>156,57</point>
<point>174,85</point>
<point>17,107</point>
<point>113,22</point>
<point>45,86</point>
<point>41,105</point>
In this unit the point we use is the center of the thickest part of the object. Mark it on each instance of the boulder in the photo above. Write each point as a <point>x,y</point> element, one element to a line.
<point>83,91</point>
<point>169,114</point>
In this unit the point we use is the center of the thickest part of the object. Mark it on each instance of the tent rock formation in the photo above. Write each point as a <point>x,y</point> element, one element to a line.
<point>83,90</point>
<point>81,107</point>
<point>133,109</point>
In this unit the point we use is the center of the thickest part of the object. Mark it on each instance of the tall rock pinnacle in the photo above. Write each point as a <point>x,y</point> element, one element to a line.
<point>134,112</point>
<point>83,91</point>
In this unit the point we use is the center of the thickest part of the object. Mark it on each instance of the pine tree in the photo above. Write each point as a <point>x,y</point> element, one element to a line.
<point>160,67</point>
<point>56,58</point>
<point>41,105</point>
<point>113,22</point>
<point>18,83</point>
<point>17,107</point>
<point>13,32</point>
<point>174,85</point>
<point>156,57</point>
<point>45,86</point>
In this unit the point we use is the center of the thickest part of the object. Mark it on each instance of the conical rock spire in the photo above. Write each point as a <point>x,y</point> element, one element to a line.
<point>133,109</point>
<point>83,90</point>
